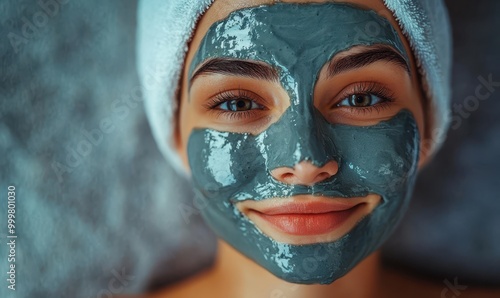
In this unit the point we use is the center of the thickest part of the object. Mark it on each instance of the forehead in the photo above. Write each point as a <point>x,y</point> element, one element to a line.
<point>220,9</point>
<point>295,37</point>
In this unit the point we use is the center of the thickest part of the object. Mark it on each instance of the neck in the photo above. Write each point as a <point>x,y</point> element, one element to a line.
<point>245,279</point>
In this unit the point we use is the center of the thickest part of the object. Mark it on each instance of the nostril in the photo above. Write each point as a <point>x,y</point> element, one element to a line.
<point>284,174</point>
<point>322,176</point>
<point>331,168</point>
<point>305,173</point>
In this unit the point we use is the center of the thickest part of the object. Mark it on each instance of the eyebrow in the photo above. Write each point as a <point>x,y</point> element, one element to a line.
<point>235,67</point>
<point>366,57</point>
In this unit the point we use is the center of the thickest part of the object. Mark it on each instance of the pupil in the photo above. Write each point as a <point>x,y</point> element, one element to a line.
<point>361,100</point>
<point>239,105</point>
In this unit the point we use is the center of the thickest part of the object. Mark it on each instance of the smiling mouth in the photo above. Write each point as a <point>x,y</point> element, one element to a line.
<point>306,219</point>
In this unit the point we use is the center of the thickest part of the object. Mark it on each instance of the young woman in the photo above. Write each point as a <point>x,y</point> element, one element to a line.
<point>302,125</point>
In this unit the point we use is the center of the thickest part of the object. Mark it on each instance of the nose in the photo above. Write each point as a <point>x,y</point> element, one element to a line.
<point>305,173</point>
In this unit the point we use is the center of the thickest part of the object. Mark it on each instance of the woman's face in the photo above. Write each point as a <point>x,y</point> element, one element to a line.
<point>301,125</point>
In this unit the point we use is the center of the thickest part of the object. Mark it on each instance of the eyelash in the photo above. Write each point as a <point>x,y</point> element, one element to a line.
<point>386,95</point>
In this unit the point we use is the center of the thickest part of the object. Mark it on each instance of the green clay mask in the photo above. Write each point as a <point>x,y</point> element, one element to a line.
<point>298,40</point>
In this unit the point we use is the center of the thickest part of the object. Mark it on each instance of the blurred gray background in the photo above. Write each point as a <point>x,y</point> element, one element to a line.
<point>96,202</point>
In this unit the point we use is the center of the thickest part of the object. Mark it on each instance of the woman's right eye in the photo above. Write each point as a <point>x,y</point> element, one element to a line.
<point>236,105</point>
<point>239,105</point>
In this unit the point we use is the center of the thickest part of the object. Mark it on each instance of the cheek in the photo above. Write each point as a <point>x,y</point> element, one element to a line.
<point>185,127</point>
<point>416,106</point>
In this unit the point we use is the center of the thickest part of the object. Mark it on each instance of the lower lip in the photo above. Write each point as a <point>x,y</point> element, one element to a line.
<point>309,224</point>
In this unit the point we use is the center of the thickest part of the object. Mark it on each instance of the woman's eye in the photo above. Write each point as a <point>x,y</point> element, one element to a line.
<point>235,105</point>
<point>239,105</point>
<point>360,100</point>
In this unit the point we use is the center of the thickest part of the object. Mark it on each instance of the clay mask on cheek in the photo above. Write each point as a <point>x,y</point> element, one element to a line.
<point>298,40</point>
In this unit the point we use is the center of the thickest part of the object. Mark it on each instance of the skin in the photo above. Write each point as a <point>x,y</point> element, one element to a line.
<point>247,279</point>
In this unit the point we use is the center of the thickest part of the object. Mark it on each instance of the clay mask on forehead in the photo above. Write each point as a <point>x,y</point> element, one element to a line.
<point>298,40</point>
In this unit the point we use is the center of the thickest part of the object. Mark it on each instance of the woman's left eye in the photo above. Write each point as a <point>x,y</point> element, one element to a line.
<point>360,100</point>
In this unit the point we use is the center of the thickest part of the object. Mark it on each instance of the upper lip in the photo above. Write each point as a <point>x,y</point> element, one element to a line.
<point>300,205</point>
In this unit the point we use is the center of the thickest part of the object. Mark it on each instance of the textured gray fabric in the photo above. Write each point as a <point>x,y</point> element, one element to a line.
<point>114,208</point>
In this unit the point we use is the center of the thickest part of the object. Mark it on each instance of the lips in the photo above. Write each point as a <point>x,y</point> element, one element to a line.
<point>305,216</point>
<point>308,223</point>
<point>308,207</point>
